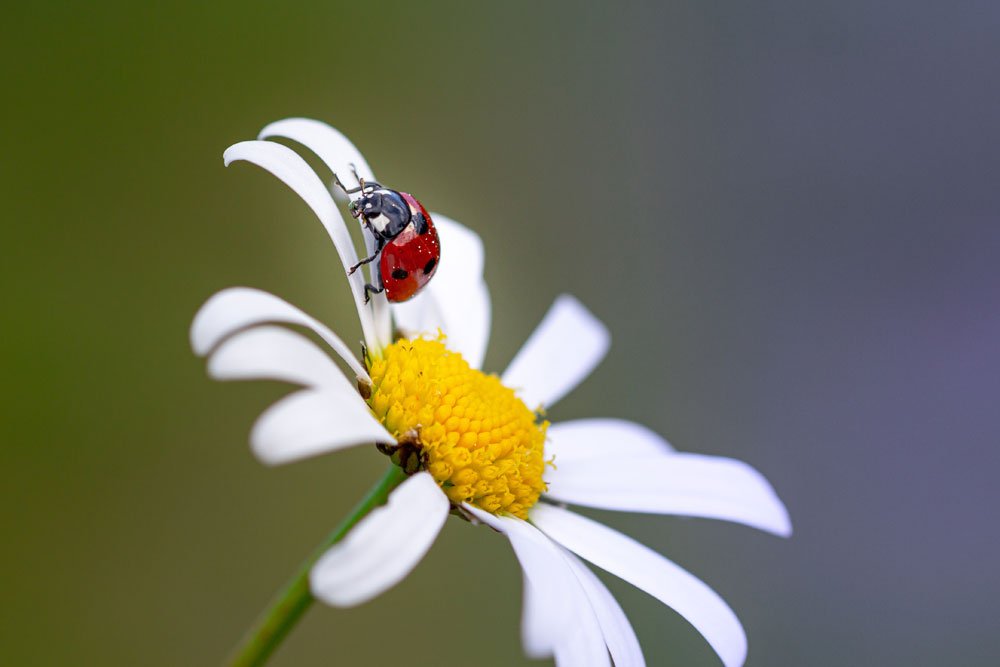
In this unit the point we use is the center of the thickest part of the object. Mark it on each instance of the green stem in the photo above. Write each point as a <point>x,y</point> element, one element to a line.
<point>283,613</point>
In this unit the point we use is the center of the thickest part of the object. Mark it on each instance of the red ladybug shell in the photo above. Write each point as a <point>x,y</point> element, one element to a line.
<point>410,259</point>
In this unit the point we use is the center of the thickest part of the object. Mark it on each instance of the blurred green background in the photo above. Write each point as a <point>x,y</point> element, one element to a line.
<point>786,213</point>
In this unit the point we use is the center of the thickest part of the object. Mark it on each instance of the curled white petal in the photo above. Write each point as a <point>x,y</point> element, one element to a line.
<point>332,147</point>
<point>686,484</point>
<point>562,351</point>
<point>642,567</point>
<point>384,547</point>
<point>347,163</point>
<point>558,618</point>
<point>311,422</point>
<point>456,300</point>
<point>296,173</point>
<point>588,438</point>
<point>274,353</point>
<point>237,308</point>
<point>618,633</point>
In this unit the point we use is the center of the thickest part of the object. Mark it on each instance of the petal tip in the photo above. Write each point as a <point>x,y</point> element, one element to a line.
<point>231,154</point>
<point>779,522</point>
<point>206,332</point>
<point>331,595</point>
<point>366,563</point>
<point>599,330</point>
<point>263,450</point>
<point>783,527</point>
<point>198,335</point>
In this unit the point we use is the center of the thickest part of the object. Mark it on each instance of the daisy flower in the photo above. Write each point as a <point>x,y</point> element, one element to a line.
<point>472,444</point>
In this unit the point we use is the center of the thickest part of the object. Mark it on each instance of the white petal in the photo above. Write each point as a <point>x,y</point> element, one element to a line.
<point>236,308</point>
<point>273,353</point>
<point>559,354</point>
<point>420,315</point>
<point>587,438</point>
<point>548,591</point>
<point>381,315</point>
<point>618,633</point>
<point>585,649</point>
<point>296,173</point>
<point>642,567</point>
<point>312,422</point>
<point>465,246</point>
<point>558,617</point>
<point>472,333</point>
<point>332,147</point>
<point>540,622</point>
<point>343,159</point>
<point>384,547</point>
<point>456,299</point>
<point>685,484</point>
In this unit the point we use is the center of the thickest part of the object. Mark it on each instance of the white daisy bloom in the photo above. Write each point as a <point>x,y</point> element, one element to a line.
<point>472,443</point>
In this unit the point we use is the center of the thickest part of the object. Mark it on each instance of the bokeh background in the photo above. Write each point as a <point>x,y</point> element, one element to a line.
<point>786,212</point>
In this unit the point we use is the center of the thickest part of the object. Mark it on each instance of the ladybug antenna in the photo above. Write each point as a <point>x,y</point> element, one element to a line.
<point>362,187</point>
<point>337,182</point>
<point>359,179</point>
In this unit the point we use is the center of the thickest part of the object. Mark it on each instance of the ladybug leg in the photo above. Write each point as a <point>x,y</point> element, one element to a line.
<point>366,260</point>
<point>379,244</point>
<point>371,289</point>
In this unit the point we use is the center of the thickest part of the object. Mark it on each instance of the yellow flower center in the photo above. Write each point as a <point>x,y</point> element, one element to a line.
<point>480,442</point>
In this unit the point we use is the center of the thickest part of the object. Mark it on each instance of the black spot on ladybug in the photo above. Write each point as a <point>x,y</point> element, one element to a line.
<point>399,274</point>
<point>420,225</point>
<point>429,266</point>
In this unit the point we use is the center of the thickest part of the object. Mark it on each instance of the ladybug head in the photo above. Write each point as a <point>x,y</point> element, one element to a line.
<point>383,210</point>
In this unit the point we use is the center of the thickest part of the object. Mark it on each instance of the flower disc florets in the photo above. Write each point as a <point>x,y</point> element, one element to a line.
<point>479,441</point>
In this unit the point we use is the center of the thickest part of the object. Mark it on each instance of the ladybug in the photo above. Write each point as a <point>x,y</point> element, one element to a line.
<point>406,243</point>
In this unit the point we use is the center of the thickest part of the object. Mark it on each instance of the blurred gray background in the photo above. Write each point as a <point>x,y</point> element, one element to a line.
<point>786,212</point>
